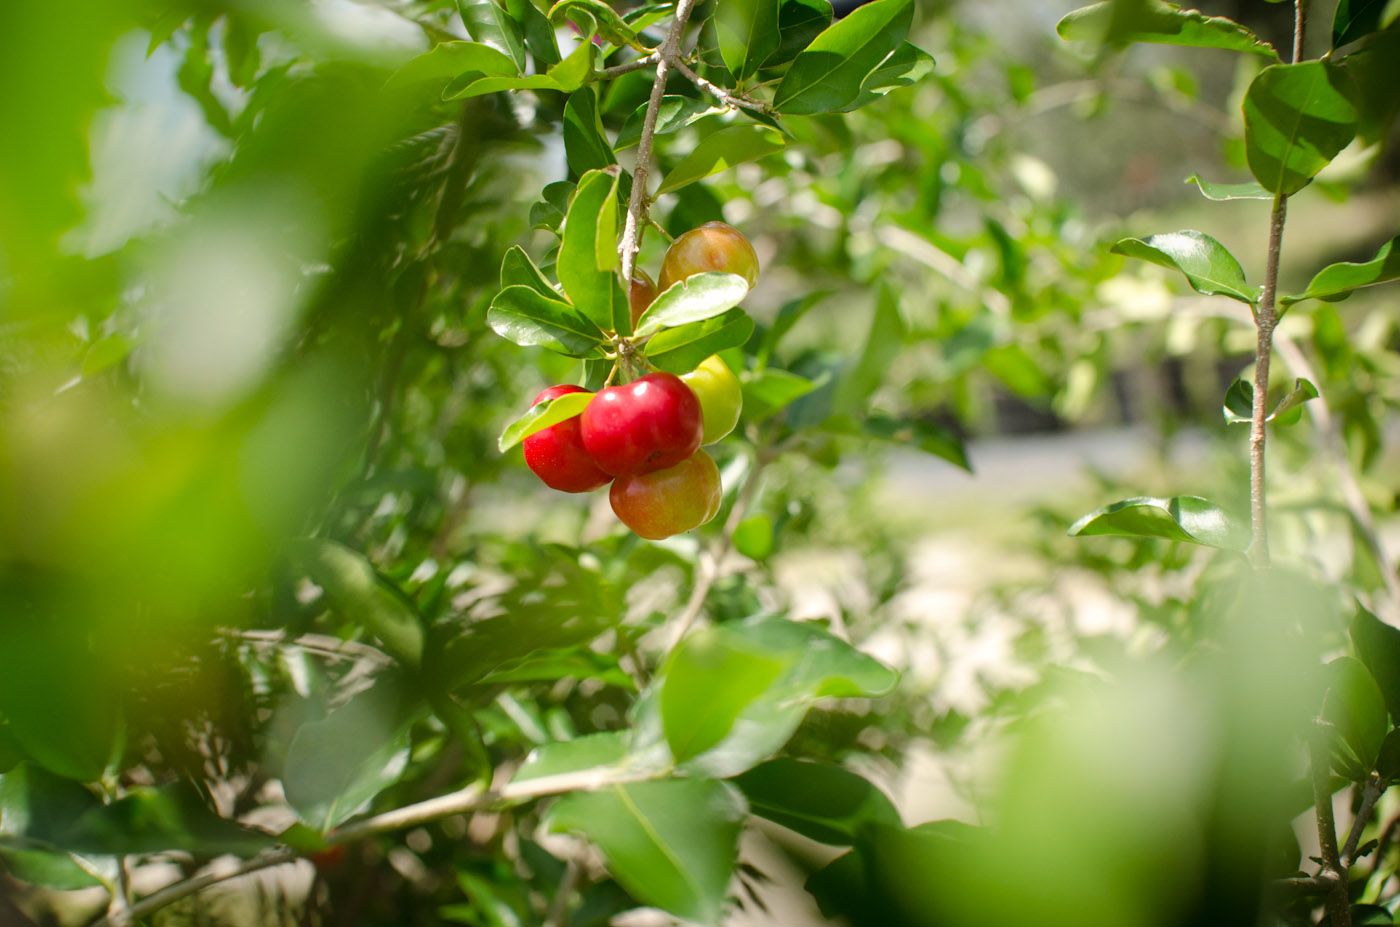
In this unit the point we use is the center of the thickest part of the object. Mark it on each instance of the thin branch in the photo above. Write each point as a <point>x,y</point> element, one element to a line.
<point>732,100</point>
<point>1306,885</point>
<point>1370,794</point>
<point>1300,28</point>
<point>1332,865</point>
<point>1265,320</point>
<point>637,203</point>
<point>559,909</point>
<point>635,64</point>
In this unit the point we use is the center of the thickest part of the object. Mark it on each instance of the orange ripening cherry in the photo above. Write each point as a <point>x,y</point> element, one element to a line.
<point>641,294</point>
<point>714,246</point>
<point>659,504</point>
<point>557,455</point>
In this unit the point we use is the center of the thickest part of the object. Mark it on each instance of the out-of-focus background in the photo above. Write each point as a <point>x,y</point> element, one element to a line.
<point>243,282</point>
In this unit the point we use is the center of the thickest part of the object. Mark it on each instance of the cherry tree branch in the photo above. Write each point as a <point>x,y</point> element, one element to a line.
<point>1265,320</point>
<point>731,100</point>
<point>1333,869</point>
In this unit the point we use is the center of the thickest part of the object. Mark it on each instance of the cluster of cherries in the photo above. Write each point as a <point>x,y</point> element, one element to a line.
<point>645,436</point>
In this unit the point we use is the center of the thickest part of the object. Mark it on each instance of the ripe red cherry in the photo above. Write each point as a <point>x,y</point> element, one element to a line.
<point>556,453</point>
<point>659,504</point>
<point>713,246</point>
<point>641,294</point>
<point>649,424</point>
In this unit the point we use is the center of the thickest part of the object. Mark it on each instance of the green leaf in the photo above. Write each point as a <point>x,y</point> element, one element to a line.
<point>1180,518</point>
<point>1337,281</point>
<point>674,112</point>
<point>829,73</point>
<point>605,750</point>
<point>813,665</point>
<point>358,592</point>
<point>151,820</point>
<point>529,318</point>
<point>565,77</point>
<point>588,252</point>
<point>585,145</point>
<point>336,765</point>
<point>799,23</point>
<point>1239,403</point>
<point>693,299</point>
<point>449,60</point>
<point>753,537</point>
<point>539,33</point>
<point>916,433</point>
<point>489,21</point>
<point>37,805</point>
<point>45,868</point>
<point>748,34</point>
<point>709,679</point>
<point>563,663</point>
<point>612,27</point>
<point>1209,267</point>
<point>1230,191</point>
<point>1353,704</point>
<point>106,352</point>
<point>906,66</point>
<point>541,416</point>
<point>1388,761</point>
<point>883,341</point>
<point>549,212</point>
<point>1355,19</point>
<point>1378,646</point>
<point>821,801</point>
<point>518,270</point>
<point>670,844</point>
<point>769,391</point>
<point>682,349</point>
<point>1155,21</point>
<point>721,150</point>
<point>1297,117</point>
<point>1375,71</point>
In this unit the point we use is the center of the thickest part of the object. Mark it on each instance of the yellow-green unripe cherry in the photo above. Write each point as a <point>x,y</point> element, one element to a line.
<point>721,398</point>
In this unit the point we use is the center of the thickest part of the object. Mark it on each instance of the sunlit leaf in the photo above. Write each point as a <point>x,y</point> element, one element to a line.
<point>1337,281</point>
<point>828,74</point>
<point>822,801</point>
<point>748,34</point>
<point>541,416</point>
<point>612,27</point>
<point>674,112</point>
<point>588,252</point>
<point>449,60</point>
<point>1230,191</point>
<point>721,150</point>
<point>1297,117</point>
<point>768,391</point>
<point>681,349</point>
<point>518,270</point>
<point>708,681</point>
<point>1156,21</point>
<point>1239,403</point>
<point>529,318</point>
<point>356,590</point>
<point>1208,266</point>
<point>1180,518</point>
<point>490,22</point>
<point>585,145</point>
<point>907,65</point>
<point>693,299</point>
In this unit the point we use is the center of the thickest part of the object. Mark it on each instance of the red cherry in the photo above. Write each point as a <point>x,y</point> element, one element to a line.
<point>649,424</point>
<point>556,453</point>
<point>665,502</point>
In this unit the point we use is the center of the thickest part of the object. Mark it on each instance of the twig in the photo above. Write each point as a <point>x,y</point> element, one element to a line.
<point>1300,28</point>
<point>635,64</point>
<point>1332,865</point>
<point>1265,320</point>
<point>1306,885</point>
<point>732,100</point>
<point>1355,499</point>
<point>1370,794</point>
<point>472,798</point>
<point>637,202</point>
<point>559,909</point>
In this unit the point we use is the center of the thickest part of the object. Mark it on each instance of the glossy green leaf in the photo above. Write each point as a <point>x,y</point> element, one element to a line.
<point>45,868</point>
<point>813,665</point>
<point>489,21</point>
<point>527,317</point>
<point>672,844</point>
<point>709,679</point>
<point>1297,117</point>
<point>694,299</point>
<point>612,27</point>
<point>753,537</point>
<point>682,349</point>
<point>1230,191</point>
<point>906,66</point>
<point>38,805</point>
<point>549,212</point>
<point>541,416</point>
<point>829,73</point>
<point>448,60</point>
<point>821,801</point>
<point>357,591</point>
<point>1180,518</point>
<point>151,820</point>
<point>565,77</point>
<point>588,252</point>
<point>1378,646</point>
<point>537,30</point>
<point>1337,281</point>
<point>1354,706</point>
<point>1388,761</point>
<point>605,750</point>
<point>674,112</point>
<point>769,391</point>
<point>1355,19</point>
<point>1156,21</point>
<point>919,434</point>
<point>747,31</point>
<point>585,145</point>
<point>1239,403</point>
<point>721,150</point>
<point>799,23</point>
<point>1208,266</point>
<point>518,270</point>
<point>1375,71</point>
<point>336,765</point>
